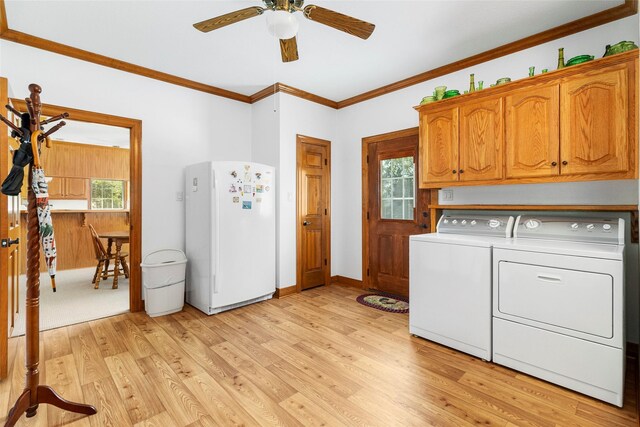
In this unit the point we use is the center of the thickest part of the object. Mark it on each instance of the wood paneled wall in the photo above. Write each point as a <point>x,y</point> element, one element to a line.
<point>86,161</point>
<point>73,240</point>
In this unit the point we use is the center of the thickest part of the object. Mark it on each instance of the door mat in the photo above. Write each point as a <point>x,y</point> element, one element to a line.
<point>385,302</point>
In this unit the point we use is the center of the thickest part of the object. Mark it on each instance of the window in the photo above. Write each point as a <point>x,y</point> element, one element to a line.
<point>107,194</point>
<point>397,188</point>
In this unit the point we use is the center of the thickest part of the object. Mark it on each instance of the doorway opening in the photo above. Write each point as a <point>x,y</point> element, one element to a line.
<point>313,213</point>
<point>93,169</point>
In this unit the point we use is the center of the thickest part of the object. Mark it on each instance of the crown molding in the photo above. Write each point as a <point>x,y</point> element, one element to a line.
<point>629,8</point>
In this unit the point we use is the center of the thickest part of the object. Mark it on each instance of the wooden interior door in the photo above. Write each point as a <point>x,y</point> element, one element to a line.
<point>10,246</point>
<point>314,212</point>
<point>439,150</point>
<point>533,132</point>
<point>481,140</point>
<point>396,209</point>
<point>594,115</point>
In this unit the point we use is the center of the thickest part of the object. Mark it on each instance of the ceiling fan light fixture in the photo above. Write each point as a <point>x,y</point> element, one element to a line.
<point>282,24</point>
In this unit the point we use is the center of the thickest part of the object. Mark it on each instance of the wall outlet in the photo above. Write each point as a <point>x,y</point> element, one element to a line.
<point>179,196</point>
<point>447,195</point>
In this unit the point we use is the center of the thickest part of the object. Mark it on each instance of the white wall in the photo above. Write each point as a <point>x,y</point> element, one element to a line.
<point>395,111</point>
<point>277,121</point>
<point>265,148</point>
<point>180,126</point>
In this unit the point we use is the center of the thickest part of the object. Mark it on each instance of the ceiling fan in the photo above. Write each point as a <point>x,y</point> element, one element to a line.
<point>282,24</point>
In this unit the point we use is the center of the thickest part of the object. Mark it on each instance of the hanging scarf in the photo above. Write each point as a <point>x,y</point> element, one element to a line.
<point>41,190</point>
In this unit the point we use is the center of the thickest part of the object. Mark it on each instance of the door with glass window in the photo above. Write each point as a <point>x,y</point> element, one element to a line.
<point>396,210</point>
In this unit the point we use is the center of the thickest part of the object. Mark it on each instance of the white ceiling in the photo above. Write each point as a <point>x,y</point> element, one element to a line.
<point>410,37</point>
<point>92,133</point>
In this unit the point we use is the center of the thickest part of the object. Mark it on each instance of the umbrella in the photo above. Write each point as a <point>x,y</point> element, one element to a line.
<point>41,190</point>
<point>13,183</point>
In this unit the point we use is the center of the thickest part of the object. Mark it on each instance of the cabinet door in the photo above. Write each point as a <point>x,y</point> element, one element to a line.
<point>439,146</point>
<point>56,187</point>
<point>75,188</point>
<point>533,132</point>
<point>593,113</point>
<point>481,140</point>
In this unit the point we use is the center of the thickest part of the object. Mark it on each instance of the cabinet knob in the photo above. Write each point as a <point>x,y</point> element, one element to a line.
<point>554,164</point>
<point>564,162</point>
<point>461,171</point>
<point>454,171</point>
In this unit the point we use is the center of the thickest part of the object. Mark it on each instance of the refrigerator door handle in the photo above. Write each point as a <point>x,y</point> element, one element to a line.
<point>216,198</point>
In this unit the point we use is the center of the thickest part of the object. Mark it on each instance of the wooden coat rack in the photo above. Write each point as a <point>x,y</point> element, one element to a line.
<point>34,394</point>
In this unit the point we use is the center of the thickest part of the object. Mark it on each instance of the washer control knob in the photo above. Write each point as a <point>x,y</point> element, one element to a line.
<point>473,222</point>
<point>463,222</point>
<point>606,227</point>
<point>590,226</point>
<point>445,221</point>
<point>455,221</point>
<point>574,226</point>
<point>494,223</point>
<point>532,224</point>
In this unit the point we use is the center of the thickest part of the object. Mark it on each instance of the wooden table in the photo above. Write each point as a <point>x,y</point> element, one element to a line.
<point>119,238</point>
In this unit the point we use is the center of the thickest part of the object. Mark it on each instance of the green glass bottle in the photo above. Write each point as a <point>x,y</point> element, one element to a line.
<point>472,84</point>
<point>561,58</point>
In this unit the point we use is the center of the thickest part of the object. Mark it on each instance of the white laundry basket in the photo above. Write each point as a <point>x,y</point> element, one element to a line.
<point>163,275</point>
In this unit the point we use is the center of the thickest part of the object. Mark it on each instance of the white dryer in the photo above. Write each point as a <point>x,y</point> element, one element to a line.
<point>450,281</point>
<point>558,303</point>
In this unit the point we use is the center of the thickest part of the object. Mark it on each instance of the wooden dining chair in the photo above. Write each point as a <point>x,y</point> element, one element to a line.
<point>103,258</point>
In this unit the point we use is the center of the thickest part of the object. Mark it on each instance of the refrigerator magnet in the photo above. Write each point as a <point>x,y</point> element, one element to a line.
<point>236,199</point>
<point>258,199</point>
<point>267,188</point>
<point>233,189</point>
<point>259,188</point>
<point>246,204</point>
<point>247,189</point>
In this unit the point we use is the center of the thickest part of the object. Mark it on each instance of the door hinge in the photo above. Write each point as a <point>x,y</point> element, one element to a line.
<point>367,215</point>
<point>367,158</point>
<point>367,271</point>
<point>325,211</point>
<point>325,162</point>
<point>325,261</point>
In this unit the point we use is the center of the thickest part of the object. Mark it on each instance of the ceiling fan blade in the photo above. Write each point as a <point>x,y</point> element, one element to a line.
<point>228,19</point>
<point>339,21</point>
<point>289,49</point>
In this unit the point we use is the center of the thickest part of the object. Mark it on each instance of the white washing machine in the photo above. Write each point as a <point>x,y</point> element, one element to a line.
<point>558,303</point>
<point>450,281</point>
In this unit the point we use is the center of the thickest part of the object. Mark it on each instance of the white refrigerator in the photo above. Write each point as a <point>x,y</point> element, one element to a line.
<point>230,234</point>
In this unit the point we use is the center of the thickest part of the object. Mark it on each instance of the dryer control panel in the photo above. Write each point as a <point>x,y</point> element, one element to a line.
<point>480,225</point>
<point>593,230</point>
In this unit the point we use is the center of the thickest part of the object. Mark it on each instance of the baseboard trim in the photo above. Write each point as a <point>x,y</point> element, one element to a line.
<point>346,281</point>
<point>285,292</point>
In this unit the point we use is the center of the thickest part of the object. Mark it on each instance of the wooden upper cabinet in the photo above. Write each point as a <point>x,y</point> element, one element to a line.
<point>579,123</point>
<point>533,132</point>
<point>439,147</point>
<point>481,140</point>
<point>76,188</point>
<point>61,187</point>
<point>594,113</point>
<point>56,188</point>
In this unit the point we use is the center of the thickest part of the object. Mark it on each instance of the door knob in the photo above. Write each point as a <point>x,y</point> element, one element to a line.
<point>454,171</point>
<point>564,162</point>
<point>8,242</point>
<point>423,225</point>
<point>554,164</point>
<point>305,223</point>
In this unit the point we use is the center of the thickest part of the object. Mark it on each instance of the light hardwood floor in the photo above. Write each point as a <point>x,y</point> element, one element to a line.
<point>312,359</point>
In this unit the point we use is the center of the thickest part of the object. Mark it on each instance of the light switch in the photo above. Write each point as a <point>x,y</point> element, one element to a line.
<point>447,195</point>
<point>179,196</point>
